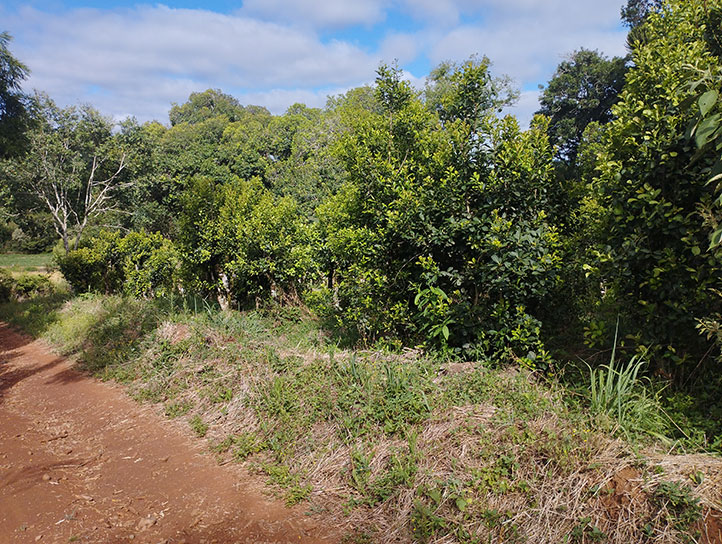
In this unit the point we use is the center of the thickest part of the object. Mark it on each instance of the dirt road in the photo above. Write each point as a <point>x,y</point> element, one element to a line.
<point>82,462</point>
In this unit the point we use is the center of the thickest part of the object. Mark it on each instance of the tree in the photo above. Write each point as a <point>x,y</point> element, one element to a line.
<point>242,244</point>
<point>14,116</point>
<point>582,90</point>
<point>634,15</point>
<point>304,166</point>
<point>440,234</point>
<point>73,168</point>
<point>636,11</point>
<point>202,106</point>
<point>467,91</point>
<point>651,186</point>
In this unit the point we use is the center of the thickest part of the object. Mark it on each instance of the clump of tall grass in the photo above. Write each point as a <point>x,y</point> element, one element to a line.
<point>618,392</point>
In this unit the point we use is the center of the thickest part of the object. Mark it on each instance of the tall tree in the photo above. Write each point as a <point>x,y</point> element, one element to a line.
<point>655,267</point>
<point>636,11</point>
<point>205,105</point>
<point>582,90</point>
<point>441,230</point>
<point>14,117</point>
<point>73,168</point>
<point>467,91</point>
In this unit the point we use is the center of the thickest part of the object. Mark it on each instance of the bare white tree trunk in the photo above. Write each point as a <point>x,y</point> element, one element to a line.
<point>224,292</point>
<point>51,188</point>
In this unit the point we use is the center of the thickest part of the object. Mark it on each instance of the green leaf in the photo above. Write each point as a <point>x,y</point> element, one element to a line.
<point>715,239</point>
<point>707,101</point>
<point>461,503</point>
<point>445,332</point>
<point>706,130</point>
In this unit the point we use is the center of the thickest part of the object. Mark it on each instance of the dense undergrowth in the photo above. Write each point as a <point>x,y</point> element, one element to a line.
<point>394,446</point>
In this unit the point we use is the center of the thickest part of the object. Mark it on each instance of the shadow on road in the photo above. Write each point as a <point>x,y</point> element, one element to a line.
<point>10,376</point>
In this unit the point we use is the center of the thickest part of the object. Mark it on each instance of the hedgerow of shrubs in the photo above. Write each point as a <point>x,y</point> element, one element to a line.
<point>442,235</point>
<point>241,244</point>
<point>138,264</point>
<point>23,287</point>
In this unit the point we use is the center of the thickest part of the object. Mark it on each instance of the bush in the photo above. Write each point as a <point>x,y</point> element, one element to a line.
<point>139,264</point>
<point>655,265</point>
<point>31,286</point>
<point>241,244</point>
<point>24,287</point>
<point>442,235</point>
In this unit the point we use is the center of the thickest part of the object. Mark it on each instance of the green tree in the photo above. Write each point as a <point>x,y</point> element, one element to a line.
<point>73,169</point>
<point>14,104</point>
<point>205,105</point>
<point>582,90</point>
<point>242,244</point>
<point>467,91</point>
<point>246,147</point>
<point>304,165</point>
<point>146,204</point>
<point>649,191</point>
<point>441,231</point>
<point>635,12</point>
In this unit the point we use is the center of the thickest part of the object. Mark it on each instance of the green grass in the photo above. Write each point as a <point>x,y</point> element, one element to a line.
<point>618,392</point>
<point>22,262</point>
<point>35,316</point>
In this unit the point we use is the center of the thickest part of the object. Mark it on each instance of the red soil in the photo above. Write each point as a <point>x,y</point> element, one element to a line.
<point>82,462</point>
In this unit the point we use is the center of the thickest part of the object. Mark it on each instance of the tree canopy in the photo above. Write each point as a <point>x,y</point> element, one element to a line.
<point>14,104</point>
<point>582,91</point>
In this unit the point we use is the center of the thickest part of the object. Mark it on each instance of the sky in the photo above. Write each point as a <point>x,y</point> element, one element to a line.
<point>129,58</point>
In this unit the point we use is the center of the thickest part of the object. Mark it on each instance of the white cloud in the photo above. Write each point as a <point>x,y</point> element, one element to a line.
<point>157,55</point>
<point>141,59</point>
<point>526,39</point>
<point>403,47</point>
<point>316,13</point>
<point>441,12</point>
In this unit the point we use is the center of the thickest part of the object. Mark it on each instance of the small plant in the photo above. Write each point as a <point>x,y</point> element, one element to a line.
<point>677,498</point>
<point>360,469</point>
<point>400,471</point>
<point>283,476</point>
<point>177,409</point>
<point>198,426</point>
<point>247,444</point>
<point>357,537</point>
<point>584,531</point>
<point>425,521</point>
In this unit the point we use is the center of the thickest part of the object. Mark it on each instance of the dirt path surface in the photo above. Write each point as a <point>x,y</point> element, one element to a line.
<point>81,462</point>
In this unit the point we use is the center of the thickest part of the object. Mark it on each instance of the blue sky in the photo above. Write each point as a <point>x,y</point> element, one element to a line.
<point>134,58</point>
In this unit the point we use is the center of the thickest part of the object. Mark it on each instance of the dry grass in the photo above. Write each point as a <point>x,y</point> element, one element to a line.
<point>499,458</point>
<point>595,483</point>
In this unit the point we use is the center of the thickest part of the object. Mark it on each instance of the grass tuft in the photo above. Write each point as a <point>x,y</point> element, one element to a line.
<point>618,393</point>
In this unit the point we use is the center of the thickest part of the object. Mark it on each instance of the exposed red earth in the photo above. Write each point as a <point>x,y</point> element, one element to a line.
<point>82,462</point>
